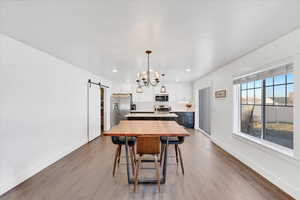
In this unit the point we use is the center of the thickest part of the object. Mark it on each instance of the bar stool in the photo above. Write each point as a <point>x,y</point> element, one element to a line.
<point>120,141</point>
<point>148,145</point>
<point>176,141</point>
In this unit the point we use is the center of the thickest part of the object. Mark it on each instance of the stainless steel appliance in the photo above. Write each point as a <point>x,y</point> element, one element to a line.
<point>121,105</point>
<point>162,108</point>
<point>162,97</point>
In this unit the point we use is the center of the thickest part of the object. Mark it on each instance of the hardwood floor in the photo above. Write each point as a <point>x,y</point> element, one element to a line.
<point>210,174</point>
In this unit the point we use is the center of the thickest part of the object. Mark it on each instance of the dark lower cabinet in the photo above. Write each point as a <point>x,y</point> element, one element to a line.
<point>186,119</point>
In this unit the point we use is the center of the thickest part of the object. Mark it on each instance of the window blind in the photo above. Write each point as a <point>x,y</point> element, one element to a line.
<point>283,69</point>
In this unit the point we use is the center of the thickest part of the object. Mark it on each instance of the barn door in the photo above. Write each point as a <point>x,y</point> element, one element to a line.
<point>94,112</point>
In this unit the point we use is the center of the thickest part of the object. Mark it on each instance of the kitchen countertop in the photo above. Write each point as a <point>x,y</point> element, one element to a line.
<point>151,111</point>
<point>151,115</point>
<point>142,111</point>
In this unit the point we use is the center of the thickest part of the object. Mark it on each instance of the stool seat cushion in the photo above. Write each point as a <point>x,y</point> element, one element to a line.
<point>120,140</point>
<point>172,140</point>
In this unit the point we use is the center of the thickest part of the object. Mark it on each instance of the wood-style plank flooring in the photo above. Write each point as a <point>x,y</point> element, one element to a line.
<point>86,174</point>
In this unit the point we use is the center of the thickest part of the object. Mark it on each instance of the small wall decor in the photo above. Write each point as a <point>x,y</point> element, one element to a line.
<point>220,94</point>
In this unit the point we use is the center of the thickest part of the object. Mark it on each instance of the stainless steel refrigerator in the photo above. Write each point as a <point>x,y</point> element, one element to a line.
<point>120,106</point>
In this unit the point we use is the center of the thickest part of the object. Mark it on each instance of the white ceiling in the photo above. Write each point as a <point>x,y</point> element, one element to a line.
<point>100,35</point>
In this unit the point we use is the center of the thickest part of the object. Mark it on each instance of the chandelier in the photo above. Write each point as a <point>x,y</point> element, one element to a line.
<point>147,78</point>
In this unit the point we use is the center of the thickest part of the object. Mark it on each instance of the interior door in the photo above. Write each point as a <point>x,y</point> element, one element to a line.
<point>94,112</point>
<point>204,109</point>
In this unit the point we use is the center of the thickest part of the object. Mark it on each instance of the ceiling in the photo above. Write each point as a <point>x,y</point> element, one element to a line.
<point>102,35</point>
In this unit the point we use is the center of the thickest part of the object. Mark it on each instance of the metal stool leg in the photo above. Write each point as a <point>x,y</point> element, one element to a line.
<point>157,172</point>
<point>181,161</point>
<point>132,159</point>
<point>176,152</point>
<point>137,168</point>
<point>162,153</point>
<point>119,157</point>
<point>115,160</point>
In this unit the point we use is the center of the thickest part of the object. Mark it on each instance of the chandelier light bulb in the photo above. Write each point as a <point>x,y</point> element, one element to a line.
<point>157,75</point>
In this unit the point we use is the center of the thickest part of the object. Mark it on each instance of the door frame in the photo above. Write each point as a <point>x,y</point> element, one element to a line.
<point>105,106</point>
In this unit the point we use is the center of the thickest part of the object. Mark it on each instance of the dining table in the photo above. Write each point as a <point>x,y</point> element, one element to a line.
<point>136,128</point>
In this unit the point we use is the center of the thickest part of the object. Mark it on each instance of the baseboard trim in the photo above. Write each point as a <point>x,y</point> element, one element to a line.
<point>204,132</point>
<point>260,171</point>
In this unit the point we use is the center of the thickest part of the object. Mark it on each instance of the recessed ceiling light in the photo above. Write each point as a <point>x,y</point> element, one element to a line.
<point>187,69</point>
<point>177,80</point>
<point>115,70</point>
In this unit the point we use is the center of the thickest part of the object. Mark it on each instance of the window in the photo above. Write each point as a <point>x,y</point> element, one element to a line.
<point>266,107</point>
<point>251,108</point>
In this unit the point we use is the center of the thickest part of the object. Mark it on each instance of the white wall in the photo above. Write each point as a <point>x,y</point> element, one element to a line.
<point>280,169</point>
<point>43,110</point>
<point>181,91</point>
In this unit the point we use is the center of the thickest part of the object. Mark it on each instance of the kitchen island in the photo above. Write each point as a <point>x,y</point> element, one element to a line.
<point>152,116</point>
<point>184,117</point>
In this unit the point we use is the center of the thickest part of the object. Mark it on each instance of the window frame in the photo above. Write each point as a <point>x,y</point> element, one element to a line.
<point>263,105</point>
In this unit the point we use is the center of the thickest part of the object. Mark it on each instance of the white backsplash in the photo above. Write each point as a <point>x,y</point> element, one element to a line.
<point>146,105</point>
<point>149,106</point>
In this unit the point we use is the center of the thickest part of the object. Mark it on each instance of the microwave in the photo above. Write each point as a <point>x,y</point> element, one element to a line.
<point>161,97</point>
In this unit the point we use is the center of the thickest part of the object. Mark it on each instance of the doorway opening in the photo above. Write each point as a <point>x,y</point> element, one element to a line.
<point>204,110</point>
<point>102,102</point>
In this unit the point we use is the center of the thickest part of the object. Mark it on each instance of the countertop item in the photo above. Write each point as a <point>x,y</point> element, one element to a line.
<point>151,115</point>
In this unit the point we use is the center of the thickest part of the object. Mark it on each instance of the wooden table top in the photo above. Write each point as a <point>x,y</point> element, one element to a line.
<point>147,128</point>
